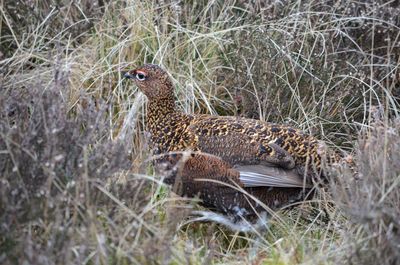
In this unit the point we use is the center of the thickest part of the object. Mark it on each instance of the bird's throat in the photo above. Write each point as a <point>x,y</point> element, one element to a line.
<point>162,119</point>
<point>159,110</point>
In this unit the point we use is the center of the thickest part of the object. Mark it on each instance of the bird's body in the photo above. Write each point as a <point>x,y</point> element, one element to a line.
<point>270,162</point>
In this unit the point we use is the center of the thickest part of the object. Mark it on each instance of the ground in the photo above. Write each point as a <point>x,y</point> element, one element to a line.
<point>76,183</point>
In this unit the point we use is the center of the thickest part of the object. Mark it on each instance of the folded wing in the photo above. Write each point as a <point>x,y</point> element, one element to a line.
<point>236,141</point>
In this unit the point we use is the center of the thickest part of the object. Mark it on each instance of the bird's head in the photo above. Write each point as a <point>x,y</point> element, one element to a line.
<point>152,80</point>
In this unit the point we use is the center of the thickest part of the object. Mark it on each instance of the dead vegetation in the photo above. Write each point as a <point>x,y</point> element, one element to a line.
<point>70,127</point>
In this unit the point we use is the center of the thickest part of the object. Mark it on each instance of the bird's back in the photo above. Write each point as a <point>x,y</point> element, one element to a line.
<point>232,137</point>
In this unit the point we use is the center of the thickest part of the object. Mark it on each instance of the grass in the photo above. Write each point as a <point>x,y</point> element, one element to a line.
<point>76,187</point>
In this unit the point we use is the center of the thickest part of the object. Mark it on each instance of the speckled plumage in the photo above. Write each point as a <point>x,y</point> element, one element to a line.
<point>236,144</point>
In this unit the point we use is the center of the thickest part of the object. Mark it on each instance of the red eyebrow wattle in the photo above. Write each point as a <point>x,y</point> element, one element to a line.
<point>140,72</point>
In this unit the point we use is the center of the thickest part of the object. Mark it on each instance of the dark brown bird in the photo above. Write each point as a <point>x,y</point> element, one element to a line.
<point>271,164</point>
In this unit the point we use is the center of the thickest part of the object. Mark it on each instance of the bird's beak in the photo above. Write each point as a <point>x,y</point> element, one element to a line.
<point>128,75</point>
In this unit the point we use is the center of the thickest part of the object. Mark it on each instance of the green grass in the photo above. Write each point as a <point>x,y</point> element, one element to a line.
<point>76,186</point>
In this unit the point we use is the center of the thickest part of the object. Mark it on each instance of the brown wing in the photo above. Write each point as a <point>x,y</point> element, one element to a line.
<point>235,141</point>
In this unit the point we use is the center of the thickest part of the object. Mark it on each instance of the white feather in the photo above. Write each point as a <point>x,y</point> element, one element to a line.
<point>243,225</point>
<point>266,176</point>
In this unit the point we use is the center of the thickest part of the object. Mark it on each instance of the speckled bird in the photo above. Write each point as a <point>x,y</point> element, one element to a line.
<point>273,164</point>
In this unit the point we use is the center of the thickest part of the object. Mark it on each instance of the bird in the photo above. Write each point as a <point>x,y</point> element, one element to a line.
<point>235,165</point>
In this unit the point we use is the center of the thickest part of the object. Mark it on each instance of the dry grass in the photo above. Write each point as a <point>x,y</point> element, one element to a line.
<point>70,127</point>
<point>371,200</point>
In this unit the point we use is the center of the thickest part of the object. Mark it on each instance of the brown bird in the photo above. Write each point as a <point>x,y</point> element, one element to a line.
<point>234,164</point>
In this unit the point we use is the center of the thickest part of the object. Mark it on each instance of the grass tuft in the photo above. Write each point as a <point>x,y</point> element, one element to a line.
<point>75,184</point>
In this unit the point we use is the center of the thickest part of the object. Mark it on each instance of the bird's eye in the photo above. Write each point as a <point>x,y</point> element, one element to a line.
<point>140,76</point>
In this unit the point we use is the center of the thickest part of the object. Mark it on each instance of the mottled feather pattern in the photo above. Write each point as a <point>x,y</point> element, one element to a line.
<point>299,146</point>
<point>215,157</point>
<point>166,127</point>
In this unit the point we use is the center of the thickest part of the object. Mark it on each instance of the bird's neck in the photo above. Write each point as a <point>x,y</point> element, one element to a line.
<point>162,121</point>
<point>160,108</point>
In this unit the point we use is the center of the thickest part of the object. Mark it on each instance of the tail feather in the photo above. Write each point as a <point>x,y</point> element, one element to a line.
<point>265,176</point>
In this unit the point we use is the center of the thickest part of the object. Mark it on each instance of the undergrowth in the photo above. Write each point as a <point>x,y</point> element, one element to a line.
<point>76,187</point>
